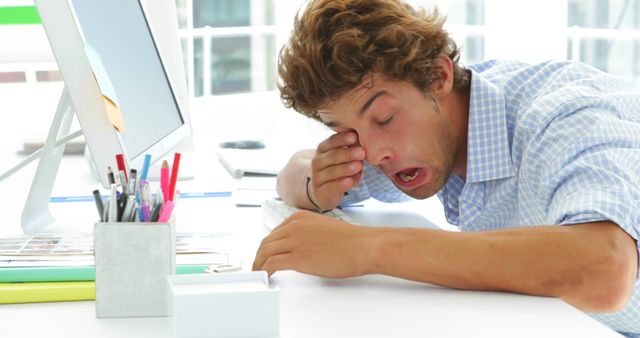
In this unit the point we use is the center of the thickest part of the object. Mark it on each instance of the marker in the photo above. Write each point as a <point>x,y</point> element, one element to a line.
<point>165,214</point>
<point>174,175</point>
<point>145,167</point>
<point>122,166</point>
<point>98,199</point>
<point>164,180</point>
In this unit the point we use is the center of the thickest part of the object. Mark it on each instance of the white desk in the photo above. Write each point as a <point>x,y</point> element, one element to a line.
<point>370,306</point>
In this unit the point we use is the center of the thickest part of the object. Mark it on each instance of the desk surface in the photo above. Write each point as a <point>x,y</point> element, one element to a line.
<point>369,306</point>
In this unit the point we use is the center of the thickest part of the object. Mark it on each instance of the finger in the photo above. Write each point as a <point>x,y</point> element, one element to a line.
<point>337,156</point>
<point>337,189</point>
<point>278,263</point>
<point>342,184</point>
<point>336,172</point>
<point>271,249</point>
<point>337,140</point>
<point>356,179</point>
<point>278,230</point>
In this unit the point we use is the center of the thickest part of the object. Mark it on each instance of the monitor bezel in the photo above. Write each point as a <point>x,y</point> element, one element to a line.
<point>102,139</point>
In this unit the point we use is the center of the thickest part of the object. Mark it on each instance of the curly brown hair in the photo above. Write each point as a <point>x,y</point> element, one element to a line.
<point>336,43</point>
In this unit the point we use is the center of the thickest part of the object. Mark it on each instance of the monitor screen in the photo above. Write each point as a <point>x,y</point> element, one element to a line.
<point>119,33</point>
<point>116,84</point>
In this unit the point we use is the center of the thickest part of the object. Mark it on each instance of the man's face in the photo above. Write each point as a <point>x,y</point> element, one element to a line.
<point>402,130</point>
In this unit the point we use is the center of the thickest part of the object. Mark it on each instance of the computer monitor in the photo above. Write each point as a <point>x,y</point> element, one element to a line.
<point>108,49</point>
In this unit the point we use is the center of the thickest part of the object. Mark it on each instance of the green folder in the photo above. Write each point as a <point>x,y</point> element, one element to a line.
<point>57,283</point>
<point>68,273</point>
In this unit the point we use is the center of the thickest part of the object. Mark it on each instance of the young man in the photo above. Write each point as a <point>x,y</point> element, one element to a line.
<point>539,165</point>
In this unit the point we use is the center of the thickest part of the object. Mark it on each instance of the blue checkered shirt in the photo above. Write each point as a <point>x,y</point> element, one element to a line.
<point>552,143</point>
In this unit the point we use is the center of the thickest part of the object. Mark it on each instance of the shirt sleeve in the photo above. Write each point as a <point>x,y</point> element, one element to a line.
<point>596,178</point>
<point>589,189</point>
<point>374,184</point>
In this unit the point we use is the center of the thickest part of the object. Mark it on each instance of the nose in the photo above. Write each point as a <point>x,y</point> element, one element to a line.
<point>377,150</point>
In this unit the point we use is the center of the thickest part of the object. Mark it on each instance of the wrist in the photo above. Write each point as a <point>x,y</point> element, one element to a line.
<point>374,254</point>
<point>309,198</point>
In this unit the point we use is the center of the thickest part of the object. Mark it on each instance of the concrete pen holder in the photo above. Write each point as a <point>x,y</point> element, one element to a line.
<point>132,261</point>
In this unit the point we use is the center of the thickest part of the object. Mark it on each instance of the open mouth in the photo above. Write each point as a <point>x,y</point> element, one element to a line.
<point>410,178</point>
<point>408,175</point>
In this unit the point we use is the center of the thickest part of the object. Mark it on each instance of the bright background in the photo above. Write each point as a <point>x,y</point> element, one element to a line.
<point>231,46</point>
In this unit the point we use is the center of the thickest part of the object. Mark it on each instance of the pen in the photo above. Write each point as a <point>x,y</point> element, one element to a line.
<point>174,175</point>
<point>105,213</point>
<point>141,184</point>
<point>133,178</point>
<point>164,180</point>
<point>113,205</point>
<point>157,206</point>
<point>122,203</point>
<point>145,199</point>
<point>145,167</point>
<point>145,212</point>
<point>134,213</point>
<point>123,181</point>
<point>98,198</point>
<point>110,176</point>
<point>122,166</point>
<point>128,209</point>
<point>155,214</point>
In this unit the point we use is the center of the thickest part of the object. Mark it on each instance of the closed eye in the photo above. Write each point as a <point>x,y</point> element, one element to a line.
<point>385,122</point>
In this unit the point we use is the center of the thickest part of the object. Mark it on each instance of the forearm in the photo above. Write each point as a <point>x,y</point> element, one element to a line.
<point>291,184</point>
<point>590,266</point>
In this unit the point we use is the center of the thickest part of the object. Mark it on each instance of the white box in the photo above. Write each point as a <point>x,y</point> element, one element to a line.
<point>132,262</point>
<point>236,304</point>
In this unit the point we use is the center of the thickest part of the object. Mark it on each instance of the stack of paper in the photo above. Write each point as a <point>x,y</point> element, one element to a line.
<point>60,267</point>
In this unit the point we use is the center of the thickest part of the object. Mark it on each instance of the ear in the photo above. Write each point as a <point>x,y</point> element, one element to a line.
<point>445,84</point>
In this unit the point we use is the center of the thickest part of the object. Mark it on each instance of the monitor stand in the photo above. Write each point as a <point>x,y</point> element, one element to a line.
<point>36,216</point>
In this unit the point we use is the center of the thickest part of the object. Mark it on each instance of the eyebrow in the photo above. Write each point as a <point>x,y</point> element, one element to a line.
<point>362,110</point>
<point>370,101</point>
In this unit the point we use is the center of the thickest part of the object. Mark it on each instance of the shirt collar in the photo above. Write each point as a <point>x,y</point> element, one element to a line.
<point>488,150</point>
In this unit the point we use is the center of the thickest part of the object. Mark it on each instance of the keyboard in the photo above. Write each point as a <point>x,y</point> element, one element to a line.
<point>274,211</point>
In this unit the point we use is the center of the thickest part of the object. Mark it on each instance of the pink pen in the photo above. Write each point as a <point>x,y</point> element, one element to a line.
<point>164,180</point>
<point>165,214</point>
